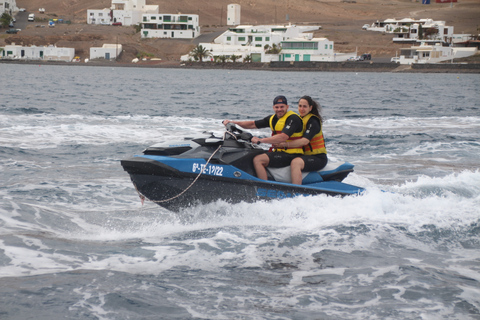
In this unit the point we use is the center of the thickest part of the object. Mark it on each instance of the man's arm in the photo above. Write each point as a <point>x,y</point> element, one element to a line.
<point>247,124</point>
<point>276,139</point>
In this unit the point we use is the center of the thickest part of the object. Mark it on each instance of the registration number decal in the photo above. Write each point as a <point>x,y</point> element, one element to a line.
<point>210,169</point>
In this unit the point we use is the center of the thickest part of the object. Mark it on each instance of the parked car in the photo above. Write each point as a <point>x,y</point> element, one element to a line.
<point>365,26</point>
<point>14,31</point>
<point>395,59</point>
<point>22,10</point>
<point>366,56</point>
<point>11,25</point>
<point>116,24</point>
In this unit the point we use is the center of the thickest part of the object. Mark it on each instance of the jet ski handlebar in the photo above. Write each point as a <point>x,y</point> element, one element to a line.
<point>238,133</point>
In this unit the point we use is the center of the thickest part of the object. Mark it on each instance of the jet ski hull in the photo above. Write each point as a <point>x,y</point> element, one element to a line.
<point>175,183</point>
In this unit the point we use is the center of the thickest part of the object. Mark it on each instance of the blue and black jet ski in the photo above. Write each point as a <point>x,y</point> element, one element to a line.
<point>202,170</point>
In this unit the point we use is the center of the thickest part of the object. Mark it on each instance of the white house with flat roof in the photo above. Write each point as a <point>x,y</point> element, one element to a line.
<point>126,12</point>
<point>428,53</point>
<point>107,52</point>
<point>410,30</point>
<point>175,26</point>
<point>297,44</point>
<point>259,36</point>
<point>48,53</point>
<point>316,49</point>
<point>389,25</point>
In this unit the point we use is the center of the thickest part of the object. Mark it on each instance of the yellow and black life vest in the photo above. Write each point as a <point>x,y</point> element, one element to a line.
<point>317,144</point>
<point>278,129</point>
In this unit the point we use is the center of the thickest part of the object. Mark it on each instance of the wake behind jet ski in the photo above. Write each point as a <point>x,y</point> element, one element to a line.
<point>206,169</point>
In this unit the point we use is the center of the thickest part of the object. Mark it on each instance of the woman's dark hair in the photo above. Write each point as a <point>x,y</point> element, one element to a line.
<point>315,106</point>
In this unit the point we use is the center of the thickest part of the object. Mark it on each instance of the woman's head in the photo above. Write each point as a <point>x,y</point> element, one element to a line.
<point>307,105</point>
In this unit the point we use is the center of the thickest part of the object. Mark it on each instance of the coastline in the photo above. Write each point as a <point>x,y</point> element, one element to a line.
<point>307,66</point>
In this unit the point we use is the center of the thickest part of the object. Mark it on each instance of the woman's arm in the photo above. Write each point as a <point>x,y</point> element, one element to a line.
<point>297,143</point>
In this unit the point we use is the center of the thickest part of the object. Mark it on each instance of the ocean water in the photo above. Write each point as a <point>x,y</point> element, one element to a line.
<point>76,242</point>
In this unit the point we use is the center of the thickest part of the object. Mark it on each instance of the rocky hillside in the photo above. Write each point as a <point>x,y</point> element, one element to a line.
<point>341,21</point>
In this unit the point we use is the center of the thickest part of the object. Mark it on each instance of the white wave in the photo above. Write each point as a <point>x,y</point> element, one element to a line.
<point>48,131</point>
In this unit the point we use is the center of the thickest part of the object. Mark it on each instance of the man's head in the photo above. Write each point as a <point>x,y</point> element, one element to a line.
<point>280,106</point>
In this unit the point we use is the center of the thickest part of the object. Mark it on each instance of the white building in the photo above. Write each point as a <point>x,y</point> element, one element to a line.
<point>389,25</point>
<point>100,16</point>
<point>233,15</point>
<point>418,30</point>
<point>259,36</point>
<point>316,49</point>
<point>429,30</point>
<point>107,52</point>
<point>433,53</point>
<point>176,26</point>
<point>126,12</point>
<point>8,6</point>
<point>49,53</point>
<point>245,40</point>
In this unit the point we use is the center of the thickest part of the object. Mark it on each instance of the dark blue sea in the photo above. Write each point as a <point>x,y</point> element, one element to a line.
<point>76,242</point>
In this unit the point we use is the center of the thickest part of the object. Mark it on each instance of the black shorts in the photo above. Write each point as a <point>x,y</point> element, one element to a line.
<point>314,163</point>
<point>279,159</point>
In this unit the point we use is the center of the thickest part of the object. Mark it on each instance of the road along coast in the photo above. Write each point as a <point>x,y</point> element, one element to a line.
<point>310,66</point>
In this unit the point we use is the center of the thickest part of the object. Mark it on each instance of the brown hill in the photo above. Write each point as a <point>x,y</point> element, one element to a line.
<point>341,21</point>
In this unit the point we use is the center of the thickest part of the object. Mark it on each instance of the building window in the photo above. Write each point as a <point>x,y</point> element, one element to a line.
<point>229,38</point>
<point>267,38</point>
<point>258,45</point>
<point>241,38</point>
<point>326,46</point>
<point>153,18</point>
<point>144,19</point>
<point>331,46</point>
<point>258,39</point>
<point>100,14</point>
<point>92,14</point>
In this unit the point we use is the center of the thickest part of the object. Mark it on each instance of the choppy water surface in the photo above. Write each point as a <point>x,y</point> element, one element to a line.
<point>76,243</point>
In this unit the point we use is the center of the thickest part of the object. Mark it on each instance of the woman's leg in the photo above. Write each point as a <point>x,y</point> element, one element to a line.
<point>296,167</point>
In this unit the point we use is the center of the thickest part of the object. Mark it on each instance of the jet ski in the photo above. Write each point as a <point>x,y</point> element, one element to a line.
<point>206,169</point>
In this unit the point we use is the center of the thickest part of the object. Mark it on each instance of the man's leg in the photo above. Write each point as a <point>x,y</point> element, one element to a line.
<point>260,162</point>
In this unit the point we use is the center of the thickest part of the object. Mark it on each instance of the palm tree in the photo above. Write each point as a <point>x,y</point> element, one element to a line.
<point>248,58</point>
<point>234,58</point>
<point>222,58</point>
<point>274,49</point>
<point>199,52</point>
